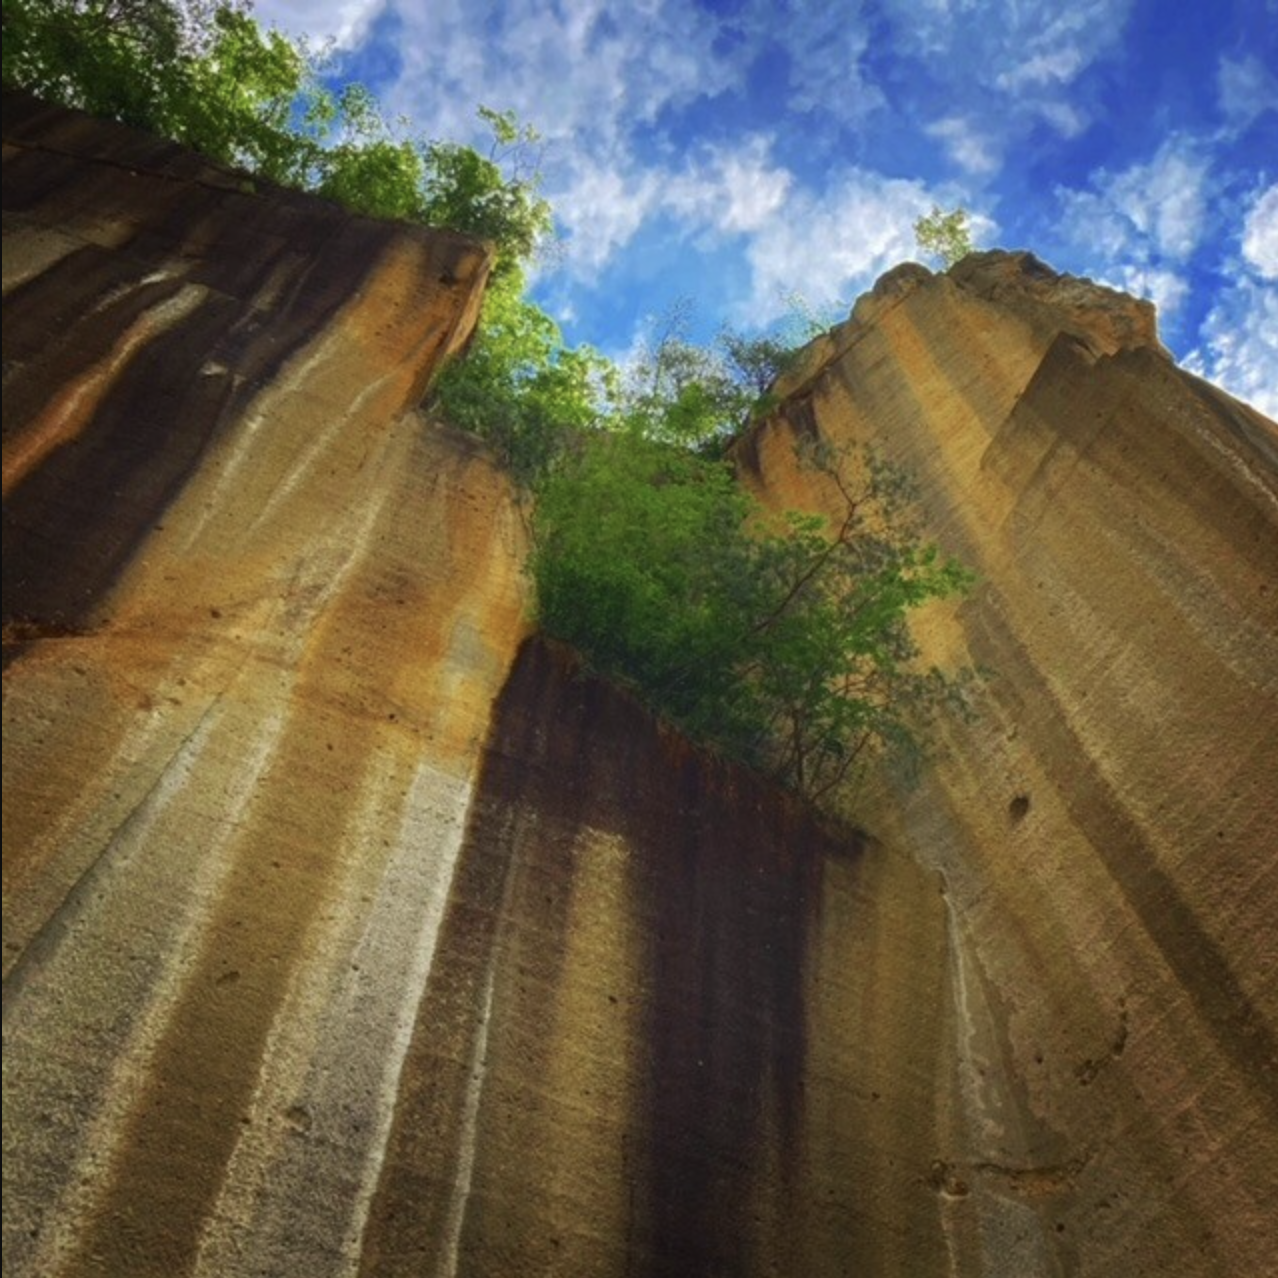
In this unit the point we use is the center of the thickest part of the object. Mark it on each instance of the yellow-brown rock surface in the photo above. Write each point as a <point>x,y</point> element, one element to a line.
<point>348,930</point>
<point>256,614</point>
<point>1106,833</point>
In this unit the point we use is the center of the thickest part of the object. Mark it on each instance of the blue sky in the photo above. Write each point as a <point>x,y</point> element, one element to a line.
<point>735,152</point>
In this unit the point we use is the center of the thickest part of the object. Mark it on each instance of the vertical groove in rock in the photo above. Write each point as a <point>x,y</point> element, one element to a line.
<point>349,931</point>
<point>1106,828</point>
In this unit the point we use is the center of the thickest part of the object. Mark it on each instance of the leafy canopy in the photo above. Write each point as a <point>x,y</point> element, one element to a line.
<point>520,387</point>
<point>208,76</point>
<point>780,642</point>
<point>946,235</point>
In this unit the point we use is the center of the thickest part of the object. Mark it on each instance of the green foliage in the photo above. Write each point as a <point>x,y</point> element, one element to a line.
<point>637,548</point>
<point>756,362</point>
<point>201,74</point>
<point>519,387</point>
<point>530,395</point>
<point>697,396</point>
<point>781,643</point>
<point>470,192</point>
<point>208,76</point>
<point>947,235</point>
<point>805,320</point>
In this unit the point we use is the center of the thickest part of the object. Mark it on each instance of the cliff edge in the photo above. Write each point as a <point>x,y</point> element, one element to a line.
<point>1105,835</point>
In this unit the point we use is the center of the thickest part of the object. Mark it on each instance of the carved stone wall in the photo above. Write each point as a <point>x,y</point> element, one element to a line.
<point>350,930</point>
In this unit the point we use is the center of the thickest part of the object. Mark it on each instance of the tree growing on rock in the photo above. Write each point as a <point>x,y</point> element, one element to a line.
<point>207,75</point>
<point>781,641</point>
<point>947,235</point>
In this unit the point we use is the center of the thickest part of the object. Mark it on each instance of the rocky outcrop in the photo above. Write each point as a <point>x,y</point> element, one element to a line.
<point>1106,833</point>
<point>349,930</point>
<point>256,614</point>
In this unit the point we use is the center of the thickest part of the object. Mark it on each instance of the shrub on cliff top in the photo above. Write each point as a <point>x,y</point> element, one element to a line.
<point>945,235</point>
<point>780,641</point>
<point>208,76</point>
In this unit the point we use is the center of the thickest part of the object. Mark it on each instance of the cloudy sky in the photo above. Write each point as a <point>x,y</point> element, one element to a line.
<point>735,152</point>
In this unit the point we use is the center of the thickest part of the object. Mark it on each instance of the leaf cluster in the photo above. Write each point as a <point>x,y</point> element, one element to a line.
<point>700,396</point>
<point>783,643</point>
<point>780,641</point>
<point>208,76</point>
<point>947,235</point>
<point>520,387</point>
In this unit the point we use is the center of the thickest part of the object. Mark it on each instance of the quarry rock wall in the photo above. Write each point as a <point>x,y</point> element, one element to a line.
<point>1106,830</point>
<point>351,929</point>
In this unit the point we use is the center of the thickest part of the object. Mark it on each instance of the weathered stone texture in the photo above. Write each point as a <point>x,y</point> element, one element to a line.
<point>350,931</point>
<point>256,613</point>
<point>1107,831</point>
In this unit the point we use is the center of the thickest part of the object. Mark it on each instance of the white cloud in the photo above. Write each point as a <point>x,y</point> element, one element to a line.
<point>825,45</point>
<point>1239,338</point>
<point>1065,118</point>
<point>1137,229</point>
<point>730,190</point>
<point>1143,222</point>
<point>1014,47</point>
<point>579,69</point>
<point>719,192</point>
<point>1240,344</point>
<point>600,210</point>
<point>831,246</point>
<point>1165,288</point>
<point>1009,65</point>
<point>1091,221</point>
<point>1057,66</point>
<point>1245,89</point>
<point>345,21</point>
<point>967,147</point>
<point>1165,199</point>
<point>1260,234</point>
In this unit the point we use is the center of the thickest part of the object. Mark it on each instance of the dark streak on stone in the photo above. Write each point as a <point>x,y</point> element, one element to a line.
<point>77,519</point>
<point>1201,969</point>
<point>501,852</point>
<point>732,876</point>
<point>725,872</point>
<point>72,525</point>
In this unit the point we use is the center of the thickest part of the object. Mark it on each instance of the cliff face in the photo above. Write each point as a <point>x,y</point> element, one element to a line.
<point>255,616</point>
<point>1106,833</point>
<point>349,931</point>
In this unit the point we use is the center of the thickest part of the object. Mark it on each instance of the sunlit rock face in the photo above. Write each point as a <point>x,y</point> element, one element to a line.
<point>256,613</point>
<point>1106,832</point>
<point>350,930</point>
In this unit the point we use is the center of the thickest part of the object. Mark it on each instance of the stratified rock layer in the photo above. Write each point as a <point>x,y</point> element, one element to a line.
<point>350,931</point>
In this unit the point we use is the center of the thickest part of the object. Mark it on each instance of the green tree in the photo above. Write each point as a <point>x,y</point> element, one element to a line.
<point>701,396</point>
<point>637,547</point>
<point>520,387</point>
<point>947,235</point>
<point>784,643</point>
<point>780,641</point>
<point>493,197</point>
<point>208,76</point>
<point>204,75</point>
